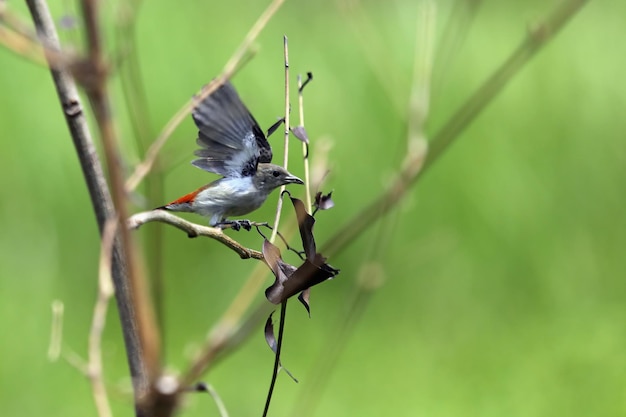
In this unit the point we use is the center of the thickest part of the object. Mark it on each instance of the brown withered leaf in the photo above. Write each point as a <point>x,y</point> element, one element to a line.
<point>323,201</point>
<point>304,298</point>
<point>305,225</point>
<point>275,126</point>
<point>269,333</point>
<point>300,133</point>
<point>271,342</point>
<point>289,279</point>
<point>281,270</point>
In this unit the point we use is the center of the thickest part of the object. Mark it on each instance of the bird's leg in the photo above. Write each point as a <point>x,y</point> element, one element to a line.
<point>236,225</point>
<point>246,224</point>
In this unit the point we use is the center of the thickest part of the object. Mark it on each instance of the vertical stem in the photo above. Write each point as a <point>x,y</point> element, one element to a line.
<point>279,206</point>
<point>96,184</point>
<point>305,148</point>
<point>96,89</point>
<point>279,344</point>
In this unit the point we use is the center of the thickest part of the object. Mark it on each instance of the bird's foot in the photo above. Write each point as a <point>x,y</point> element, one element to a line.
<point>236,225</point>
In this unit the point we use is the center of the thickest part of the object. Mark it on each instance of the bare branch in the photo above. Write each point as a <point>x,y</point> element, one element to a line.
<point>279,204</point>
<point>305,146</point>
<point>193,230</point>
<point>105,292</point>
<point>96,89</point>
<point>96,184</point>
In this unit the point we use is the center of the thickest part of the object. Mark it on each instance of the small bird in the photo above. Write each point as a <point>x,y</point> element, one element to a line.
<point>234,146</point>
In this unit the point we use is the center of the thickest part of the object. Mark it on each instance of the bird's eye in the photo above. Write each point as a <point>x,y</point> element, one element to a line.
<point>275,173</point>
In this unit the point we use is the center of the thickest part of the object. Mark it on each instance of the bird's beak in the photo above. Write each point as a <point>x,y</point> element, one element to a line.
<point>292,179</point>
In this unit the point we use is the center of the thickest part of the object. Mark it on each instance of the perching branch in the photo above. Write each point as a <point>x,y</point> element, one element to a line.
<point>193,230</point>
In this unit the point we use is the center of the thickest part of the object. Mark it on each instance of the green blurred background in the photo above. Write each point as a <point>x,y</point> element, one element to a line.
<point>505,267</point>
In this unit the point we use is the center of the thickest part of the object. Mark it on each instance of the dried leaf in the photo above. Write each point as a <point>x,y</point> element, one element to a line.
<point>271,342</point>
<point>300,133</point>
<point>289,279</point>
<point>309,274</point>
<point>323,201</point>
<point>275,126</point>
<point>269,334</point>
<point>305,224</point>
<point>281,270</point>
<point>304,299</point>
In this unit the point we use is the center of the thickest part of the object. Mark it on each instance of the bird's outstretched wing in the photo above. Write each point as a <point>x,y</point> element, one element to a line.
<point>231,141</point>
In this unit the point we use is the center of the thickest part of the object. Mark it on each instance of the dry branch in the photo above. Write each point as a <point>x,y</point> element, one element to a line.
<point>193,230</point>
<point>96,184</point>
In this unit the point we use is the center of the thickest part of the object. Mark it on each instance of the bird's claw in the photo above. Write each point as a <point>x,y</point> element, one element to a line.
<point>236,225</point>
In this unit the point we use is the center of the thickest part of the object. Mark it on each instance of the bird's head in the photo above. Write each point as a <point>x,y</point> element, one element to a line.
<point>270,176</point>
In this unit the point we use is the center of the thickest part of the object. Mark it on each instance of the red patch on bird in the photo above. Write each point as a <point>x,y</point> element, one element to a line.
<point>187,198</point>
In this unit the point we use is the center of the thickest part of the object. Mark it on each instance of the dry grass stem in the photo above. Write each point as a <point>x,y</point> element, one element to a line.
<point>221,407</point>
<point>98,94</point>
<point>105,292</point>
<point>305,149</point>
<point>56,331</point>
<point>419,99</point>
<point>279,204</point>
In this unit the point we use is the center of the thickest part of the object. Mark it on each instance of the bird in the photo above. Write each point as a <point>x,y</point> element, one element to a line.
<point>231,145</point>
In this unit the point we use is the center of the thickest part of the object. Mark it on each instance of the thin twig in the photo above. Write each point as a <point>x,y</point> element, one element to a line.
<point>22,46</point>
<point>208,388</point>
<point>279,344</point>
<point>99,98</point>
<point>145,323</point>
<point>105,292</point>
<point>56,331</point>
<point>538,37</point>
<point>193,230</point>
<point>230,68</point>
<point>134,93</point>
<point>18,37</point>
<point>279,204</point>
<point>419,99</point>
<point>305,146</point>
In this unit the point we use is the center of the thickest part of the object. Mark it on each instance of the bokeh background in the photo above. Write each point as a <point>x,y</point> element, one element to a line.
<point>504,270</point>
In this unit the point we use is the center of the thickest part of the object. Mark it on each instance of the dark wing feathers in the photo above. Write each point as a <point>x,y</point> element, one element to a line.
<point>231,141</point>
